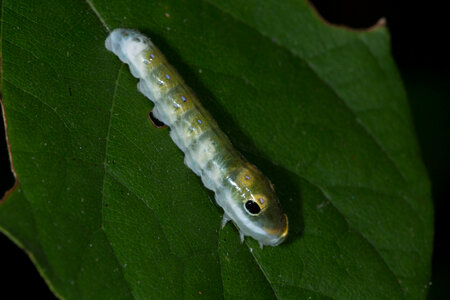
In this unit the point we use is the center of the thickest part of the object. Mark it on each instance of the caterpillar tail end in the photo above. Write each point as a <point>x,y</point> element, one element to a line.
<point>126,43</point>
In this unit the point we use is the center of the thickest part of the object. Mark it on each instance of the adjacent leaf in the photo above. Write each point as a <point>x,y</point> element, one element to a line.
<point>105,206</point>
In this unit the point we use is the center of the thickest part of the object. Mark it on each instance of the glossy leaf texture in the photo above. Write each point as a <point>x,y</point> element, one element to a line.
<point>105,206</point>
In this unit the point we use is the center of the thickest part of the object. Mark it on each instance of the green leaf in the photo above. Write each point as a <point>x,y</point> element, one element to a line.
<point>105,206</point>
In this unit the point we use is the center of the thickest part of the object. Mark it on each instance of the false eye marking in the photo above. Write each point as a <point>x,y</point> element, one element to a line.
<point>252,207</point>
<point>261,200</point>
<point>246,176</point>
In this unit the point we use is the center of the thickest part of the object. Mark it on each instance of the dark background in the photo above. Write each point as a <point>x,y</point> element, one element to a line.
<point>419,33</point>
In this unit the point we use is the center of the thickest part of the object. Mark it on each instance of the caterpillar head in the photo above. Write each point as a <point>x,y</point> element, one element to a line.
<point>254,207</point>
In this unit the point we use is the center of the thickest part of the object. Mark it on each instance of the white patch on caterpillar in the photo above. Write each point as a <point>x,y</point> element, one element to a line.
<point>127,45</point>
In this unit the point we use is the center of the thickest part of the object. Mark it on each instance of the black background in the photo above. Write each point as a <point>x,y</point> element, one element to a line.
<point>419,33</point>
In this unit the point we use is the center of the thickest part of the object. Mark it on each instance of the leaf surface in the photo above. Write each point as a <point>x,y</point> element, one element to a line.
<point>105,206</point>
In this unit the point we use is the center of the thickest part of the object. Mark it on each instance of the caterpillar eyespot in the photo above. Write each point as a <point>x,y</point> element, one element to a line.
<point>208,151</point>
<point>252,207</point>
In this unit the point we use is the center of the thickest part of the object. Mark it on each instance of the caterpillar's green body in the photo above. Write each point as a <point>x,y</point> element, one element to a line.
<point>246,196</point>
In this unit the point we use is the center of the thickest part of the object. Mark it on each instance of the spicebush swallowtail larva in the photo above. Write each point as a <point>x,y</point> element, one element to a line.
<point>245,194</point>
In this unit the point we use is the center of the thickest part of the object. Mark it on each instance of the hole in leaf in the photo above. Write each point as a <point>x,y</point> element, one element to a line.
<point>351,13</point>
<point>155,122</point>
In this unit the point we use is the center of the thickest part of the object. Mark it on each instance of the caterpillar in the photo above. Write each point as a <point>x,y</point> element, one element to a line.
<point>246,196</point>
